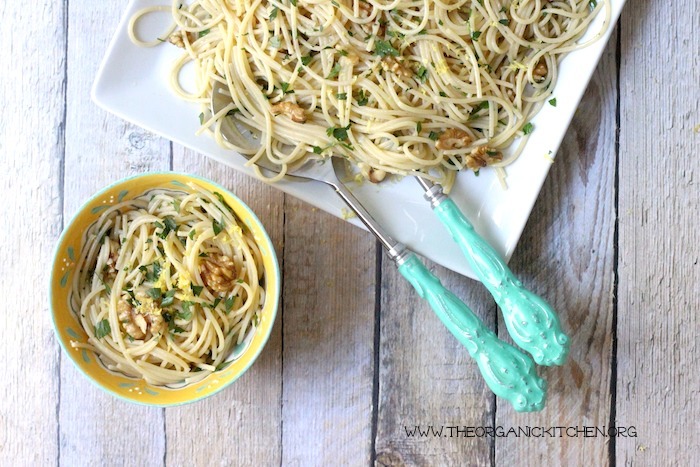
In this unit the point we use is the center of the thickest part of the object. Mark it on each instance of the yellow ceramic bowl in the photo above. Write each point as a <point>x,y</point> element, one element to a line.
<point>68,327</point>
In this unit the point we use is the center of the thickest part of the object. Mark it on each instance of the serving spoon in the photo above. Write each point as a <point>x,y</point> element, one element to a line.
<point>531,321</point>
<point>509,373</point>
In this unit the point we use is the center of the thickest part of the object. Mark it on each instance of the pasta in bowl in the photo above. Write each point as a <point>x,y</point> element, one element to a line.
<point>164,288</point>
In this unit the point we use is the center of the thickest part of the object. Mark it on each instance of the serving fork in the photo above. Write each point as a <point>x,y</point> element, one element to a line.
<point>509,372</point>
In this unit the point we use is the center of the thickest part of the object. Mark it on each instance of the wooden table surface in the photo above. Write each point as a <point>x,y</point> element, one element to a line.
<point>355,362</point>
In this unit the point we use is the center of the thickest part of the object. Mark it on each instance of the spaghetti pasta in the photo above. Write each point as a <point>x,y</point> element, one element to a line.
<point>169,283</point>
<point>408,87</point>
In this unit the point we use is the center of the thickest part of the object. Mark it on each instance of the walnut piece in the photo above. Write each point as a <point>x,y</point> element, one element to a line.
<point>178,38</point>
<point>540,71</point>
<point>365,8</point>
<point>291,110</point>
<point>481,157</point>
<point>140,321</point>
<point>370,173</point>
<point>110,269</point>
<point>453,138</point>
<point>376,175</point>
<point>218,273</point>
<point>395,66</point>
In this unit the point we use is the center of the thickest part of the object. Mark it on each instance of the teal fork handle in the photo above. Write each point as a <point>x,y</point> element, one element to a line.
<point>509,372</point>
<point>531,321</point>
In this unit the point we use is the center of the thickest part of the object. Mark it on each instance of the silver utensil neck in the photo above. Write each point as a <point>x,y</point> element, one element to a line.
<point>399,253</point>
<point>433,193</point>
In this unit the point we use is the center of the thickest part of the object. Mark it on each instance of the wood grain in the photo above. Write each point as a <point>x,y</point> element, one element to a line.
<point>659,298</point>
<point>31,152</point>
<point>243,423</point>
<point>328,339</point>
<point>355,357</point>
<point>100,149</point>
<point>566,255</point>
<point>426,377</point>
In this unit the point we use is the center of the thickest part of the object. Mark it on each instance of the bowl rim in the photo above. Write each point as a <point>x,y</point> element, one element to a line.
<point>55,261</point>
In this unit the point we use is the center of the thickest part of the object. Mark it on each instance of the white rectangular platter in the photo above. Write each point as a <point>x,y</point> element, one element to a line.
<point>132,83</point>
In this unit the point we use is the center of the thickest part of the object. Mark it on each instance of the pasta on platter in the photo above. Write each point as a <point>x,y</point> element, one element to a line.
<point>400,87</point>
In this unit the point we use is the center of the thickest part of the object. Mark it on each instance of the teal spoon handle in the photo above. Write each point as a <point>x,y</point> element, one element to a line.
<point>509,372</point>
<point>531,321</point>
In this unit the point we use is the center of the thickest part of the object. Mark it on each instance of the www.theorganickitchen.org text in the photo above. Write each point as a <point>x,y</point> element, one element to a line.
<point>461,431</point>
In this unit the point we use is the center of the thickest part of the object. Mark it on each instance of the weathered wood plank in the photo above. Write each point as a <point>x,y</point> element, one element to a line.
<point>320,413</point>
<point>659,199</point>
<point>426,377</point>
<point>328,329</point>
<point>243,423</point>
<point>567,255</point>
<point>100,148</point>
<point>31,151</point>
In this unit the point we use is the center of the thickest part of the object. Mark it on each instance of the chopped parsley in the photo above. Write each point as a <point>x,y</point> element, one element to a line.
<point>285,88</point>
<point>339,133</point>
<point>342,96</point>
<point>197,289</point>
<point>204,33</point>
<point>170,225</point>
<point>102,329</point>
<point>527,128</point>
<point>153,273</point>
<point>434,136</point>
<point>223,365</point>
<point>217,226</point>
<point>384,48</point>
<point>183,315</point>
<point>553,101</point>
<point>422,74</point>
<point>168,298</point>
<point>221,199</point>
<point>335,71</point>
<point>475,35</point>
<point>228,303</point>
<point>481,106</point>
<point>155,293</point>
<point>362,98</point>
<point>186,312</point>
